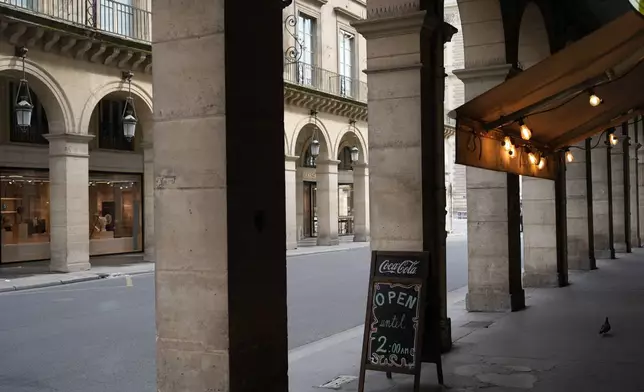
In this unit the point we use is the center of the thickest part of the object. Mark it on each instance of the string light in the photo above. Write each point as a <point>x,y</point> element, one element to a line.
<point>512,152</point>
<point>569,156</point>
<point>532,157</point>
<point>593,99</point>
<point>542,163</point>
<point>507,143</point>
<point>526,133</point>
<point>613,139</point>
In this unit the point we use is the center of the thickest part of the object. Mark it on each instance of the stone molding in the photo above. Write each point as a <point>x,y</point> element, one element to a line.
<point>392,9</point>
<point>387,26</point>
<point>347,14</point>
<point>312,99</point>
<point>69,137</point>
<point>35,32</point>
<point>491,71</point>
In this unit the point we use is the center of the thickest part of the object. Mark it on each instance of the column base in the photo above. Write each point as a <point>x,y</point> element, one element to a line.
<point>620,247</point>
<point>532,279</point>
<point>149,256</point>
<point>66,268</point>
<point>602,254</point>
<point>328,241</point>
<point>361,238</point>
<point>583,264</point>
<point>291,245</point>
<point>494,301</point>
<point>446,334</point>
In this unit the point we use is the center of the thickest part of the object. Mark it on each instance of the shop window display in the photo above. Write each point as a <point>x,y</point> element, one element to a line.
<point>25,215</point>
<point>115,213</point>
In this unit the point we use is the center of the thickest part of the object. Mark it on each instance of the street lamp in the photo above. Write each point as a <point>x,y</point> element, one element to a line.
<point>23,106</point>
<point>355,154</point>
<point>315,144</point>
<point>129,111</point>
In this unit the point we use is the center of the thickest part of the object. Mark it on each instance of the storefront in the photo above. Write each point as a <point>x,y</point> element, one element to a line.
<point>115,213</point>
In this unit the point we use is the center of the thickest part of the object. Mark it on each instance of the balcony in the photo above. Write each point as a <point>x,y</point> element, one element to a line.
<point>325,81</point>
<point>105,16</point>
<point>316,88</point>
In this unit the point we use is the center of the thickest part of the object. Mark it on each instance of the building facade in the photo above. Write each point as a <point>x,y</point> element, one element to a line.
<point>72,185</point>
<point>325,106</point>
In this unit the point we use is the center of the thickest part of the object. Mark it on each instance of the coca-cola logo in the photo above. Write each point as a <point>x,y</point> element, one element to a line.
<point>405,267</point>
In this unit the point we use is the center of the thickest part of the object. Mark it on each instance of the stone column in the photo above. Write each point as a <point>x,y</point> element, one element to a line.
<point>299,203</point>
<point>602,217</point>
<point>148,201</point>
<point>619,196</point>
<point>633,186</point>
<point>290,179</point>
<point>581,252</point>
<point>407,202</point>
<point>640,174</point>
<point>360,202</point>
<point>327,202</point>
<point>69,201</point>
<point>493,213</point>
<point>219,197</point>
<point>539,233</point>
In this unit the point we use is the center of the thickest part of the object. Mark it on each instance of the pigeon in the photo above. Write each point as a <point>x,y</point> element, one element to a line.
<point>605,327</point>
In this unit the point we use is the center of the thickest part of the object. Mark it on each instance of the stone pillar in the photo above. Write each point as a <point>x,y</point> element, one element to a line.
<point>539,233</point>
<point>290,179</point>
<point>640,175</point>
<point>407,202</point>
<point>327,202</point>
<point>602,218</point>
<point>360,203</point>
<point>633,186</point>
<point>69,201</point>
<point>493,220</point>
<point>299,203</point>
<point>579,191</point>
<point>619,196</point>
<point>148,202</point>
<point>220,194</point>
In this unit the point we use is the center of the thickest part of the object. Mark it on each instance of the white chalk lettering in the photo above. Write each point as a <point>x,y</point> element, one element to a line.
<point>401,299</point>
<point>380,299</point>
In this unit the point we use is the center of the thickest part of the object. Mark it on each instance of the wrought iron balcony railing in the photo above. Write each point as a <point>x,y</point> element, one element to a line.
<point>320,79</point>
<point>108,16</point>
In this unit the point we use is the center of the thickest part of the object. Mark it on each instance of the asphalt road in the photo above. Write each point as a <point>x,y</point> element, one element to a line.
<point>100,336</point>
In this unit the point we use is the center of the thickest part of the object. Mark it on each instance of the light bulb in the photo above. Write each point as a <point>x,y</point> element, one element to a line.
<point>613,139</point>
<point>512,151</point>
<point>594,100</point>
<point>532,157</point>
<point>526,133</point>
<point>569,156</point>
<point>542,163</point>
<point>507,143</point>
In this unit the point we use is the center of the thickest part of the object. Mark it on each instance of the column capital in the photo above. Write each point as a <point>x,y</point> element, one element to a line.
<point>69,137</point>
<point>386,26</point>
<point>291,158</point>
<point>327,162</point>
<point>146,145</point>
<point>485,72</point>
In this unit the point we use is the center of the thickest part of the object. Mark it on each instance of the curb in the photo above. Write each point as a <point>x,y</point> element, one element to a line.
<point>61,282</point>
<point>317,252</point>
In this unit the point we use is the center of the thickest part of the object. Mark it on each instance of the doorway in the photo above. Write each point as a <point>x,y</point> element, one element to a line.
<point>310,222</point>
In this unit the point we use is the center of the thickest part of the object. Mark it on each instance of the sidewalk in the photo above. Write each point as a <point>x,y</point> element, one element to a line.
<point>553,346</point>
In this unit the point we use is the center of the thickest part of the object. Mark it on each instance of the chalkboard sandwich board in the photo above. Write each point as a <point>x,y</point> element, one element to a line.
<point>395,314</point>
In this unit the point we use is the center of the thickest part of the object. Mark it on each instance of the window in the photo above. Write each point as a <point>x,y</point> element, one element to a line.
<point>39,124</point>
<point>110,123</point>
<point>306,36</point>
<point>24,197</point>
<point>115,213</point>
<point>346,63</point>
<point>117,16</point>
<point>345,159</point>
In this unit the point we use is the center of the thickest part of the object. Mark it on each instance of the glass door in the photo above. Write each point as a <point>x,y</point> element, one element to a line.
<point>310,210</point>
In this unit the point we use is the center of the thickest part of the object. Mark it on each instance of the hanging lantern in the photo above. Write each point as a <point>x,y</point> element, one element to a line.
<point>23,107</point>
<point>315,148</point>
<point>129,111</point>
<point>23,112</point>
<point>355,154</point>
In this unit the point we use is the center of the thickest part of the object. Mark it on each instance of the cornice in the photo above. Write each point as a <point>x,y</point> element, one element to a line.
<point>387,26</point>
<point>312,99</point>
<point>347,14</point>
<point>36,32</point>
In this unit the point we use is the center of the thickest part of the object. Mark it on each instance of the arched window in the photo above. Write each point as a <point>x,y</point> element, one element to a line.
<point>39,124</point>
<point>110,122</point>
<point>345,159</point>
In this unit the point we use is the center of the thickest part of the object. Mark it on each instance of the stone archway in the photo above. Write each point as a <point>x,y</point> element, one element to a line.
<point>52,96</point>
<point>353,195</point>
<point>316,185</point>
